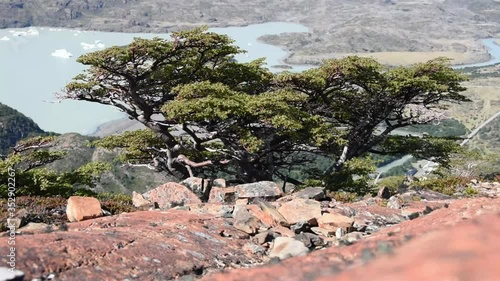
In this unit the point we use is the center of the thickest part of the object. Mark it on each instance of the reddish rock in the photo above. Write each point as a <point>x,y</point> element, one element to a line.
<point>262,189</point>
<point>451,243</point>
<point>264,217</point>
<point>170,195</point>
<point>271,211</point>
<point>283,231</point>
<point>138,200</point>
<point>245,221</point>
<point>144,245</point>
<point>331,222</point>
<point>301,210</point>
<point>81,208</point>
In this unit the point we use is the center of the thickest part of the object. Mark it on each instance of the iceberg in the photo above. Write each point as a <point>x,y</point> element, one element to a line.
<point>5,38</point>
<point>97,45</point>
<point>61,53</point>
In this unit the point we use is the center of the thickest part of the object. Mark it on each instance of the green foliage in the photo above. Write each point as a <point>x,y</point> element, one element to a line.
<point>444,185</point>
<point>32,178</point>
<point>353,177</point>
<point>392,182</point>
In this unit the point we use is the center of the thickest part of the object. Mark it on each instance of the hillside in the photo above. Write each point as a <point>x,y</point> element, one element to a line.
<point>425,29</point>
<point>15,126</point>
<point>118,180</point>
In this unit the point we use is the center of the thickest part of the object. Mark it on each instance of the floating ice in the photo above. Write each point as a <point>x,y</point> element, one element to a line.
<point>5,38</point>
<point>62,53</point>
<point>30,32</point>
<point>97,45</point>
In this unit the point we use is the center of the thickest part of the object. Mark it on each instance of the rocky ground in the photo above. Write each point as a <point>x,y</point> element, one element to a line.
<point>257,232</point>
<point>360,26</point>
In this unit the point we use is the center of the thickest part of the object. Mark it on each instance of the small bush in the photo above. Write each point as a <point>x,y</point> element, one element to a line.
<point>446,185</point>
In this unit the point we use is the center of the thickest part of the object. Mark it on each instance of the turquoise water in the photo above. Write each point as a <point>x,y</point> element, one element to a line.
<point>30,74</point>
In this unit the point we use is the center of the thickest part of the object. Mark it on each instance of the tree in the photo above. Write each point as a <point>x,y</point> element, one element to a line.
<point>369,101</point>
<point>198,102</point>
<point>207,112</point>
<point>24,169</point>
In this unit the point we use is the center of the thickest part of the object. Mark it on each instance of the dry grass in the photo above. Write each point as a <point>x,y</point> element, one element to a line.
<point>485,96</point>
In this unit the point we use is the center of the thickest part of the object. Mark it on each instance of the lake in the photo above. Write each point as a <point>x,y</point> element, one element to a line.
<point>38,62</point>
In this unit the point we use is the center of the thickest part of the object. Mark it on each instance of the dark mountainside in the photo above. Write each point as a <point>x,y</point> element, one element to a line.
<point>15,126</point>
<point>389,25</point>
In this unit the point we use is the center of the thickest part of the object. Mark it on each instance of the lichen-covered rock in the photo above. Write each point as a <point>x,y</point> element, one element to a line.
<point>171,195</point>
<point>262,189</point>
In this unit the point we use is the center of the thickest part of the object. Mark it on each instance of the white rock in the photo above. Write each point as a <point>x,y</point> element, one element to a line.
<point>287,247</point>
<point>6,274</point>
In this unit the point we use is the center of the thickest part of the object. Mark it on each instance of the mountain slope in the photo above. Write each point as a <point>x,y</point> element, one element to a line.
<point>15,126</point>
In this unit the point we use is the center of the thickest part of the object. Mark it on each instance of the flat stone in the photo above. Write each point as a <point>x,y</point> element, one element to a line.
<point>81,208</point>
<point>262,189</point>
<point>332,221</point>
<point>171,195</point>
<point>301,210</point>
<point>241,201</point>
<point>320,231</point>
<point>283,231</point>
<point>286,247</point>
<point>37,227</point>
<point>316,193</point>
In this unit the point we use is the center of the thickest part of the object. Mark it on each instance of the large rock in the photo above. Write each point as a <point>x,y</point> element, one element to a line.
<point>262,189</point>
<point>81,208</point>
<point>286,247</point>
<point>301,210</point>
<point>144,245</point>
<point>171,195</point>
<point>459,242</point>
